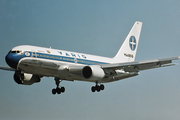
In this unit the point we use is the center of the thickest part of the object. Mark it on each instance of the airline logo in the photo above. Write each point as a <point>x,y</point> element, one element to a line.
<point>72,55</point>
<point>132,43</point>
<point>27,53</point>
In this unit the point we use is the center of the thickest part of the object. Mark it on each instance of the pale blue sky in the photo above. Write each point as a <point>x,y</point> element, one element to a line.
<point>96,27</point>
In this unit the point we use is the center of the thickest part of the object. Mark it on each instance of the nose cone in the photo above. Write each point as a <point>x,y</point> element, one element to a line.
<point>11,60</point>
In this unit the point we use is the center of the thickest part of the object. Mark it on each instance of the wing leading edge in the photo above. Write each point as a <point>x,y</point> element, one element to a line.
<point>141,65</point>
<point>6,68</point>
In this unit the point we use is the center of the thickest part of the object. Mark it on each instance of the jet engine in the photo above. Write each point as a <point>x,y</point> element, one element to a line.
<point>93,72</point>
<point>26,79</point>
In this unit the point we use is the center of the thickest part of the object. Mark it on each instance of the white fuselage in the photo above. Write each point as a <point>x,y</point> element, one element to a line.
<point>55,63</point>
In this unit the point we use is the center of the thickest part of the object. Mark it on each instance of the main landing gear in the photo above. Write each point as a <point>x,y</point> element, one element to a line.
<point>58,89</point>
<point>97,87</point>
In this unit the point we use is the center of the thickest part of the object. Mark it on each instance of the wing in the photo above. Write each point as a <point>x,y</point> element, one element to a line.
<point>141,65</point>
<point>7,68</point>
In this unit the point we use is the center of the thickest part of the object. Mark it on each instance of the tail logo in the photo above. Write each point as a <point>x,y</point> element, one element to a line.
<point>132,43</point>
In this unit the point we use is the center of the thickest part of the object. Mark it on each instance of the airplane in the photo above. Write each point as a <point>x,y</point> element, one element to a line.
<point>31,63</point>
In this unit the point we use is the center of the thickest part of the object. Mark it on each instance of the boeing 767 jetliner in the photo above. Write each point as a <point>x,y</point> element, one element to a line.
<point>31,63</point>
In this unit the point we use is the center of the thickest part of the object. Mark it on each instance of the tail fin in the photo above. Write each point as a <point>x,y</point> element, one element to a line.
<point>127,52</point>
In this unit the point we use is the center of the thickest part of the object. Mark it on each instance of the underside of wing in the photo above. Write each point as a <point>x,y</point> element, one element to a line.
<point>141,65</point>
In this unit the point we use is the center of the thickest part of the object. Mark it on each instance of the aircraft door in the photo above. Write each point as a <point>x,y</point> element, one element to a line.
<point>34,55</point>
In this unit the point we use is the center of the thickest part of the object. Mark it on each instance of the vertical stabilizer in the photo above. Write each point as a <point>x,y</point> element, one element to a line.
<point>127,52</point>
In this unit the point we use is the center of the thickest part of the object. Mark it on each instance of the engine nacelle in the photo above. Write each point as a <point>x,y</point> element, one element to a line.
<point>26,79</point>
<point>93,72</point>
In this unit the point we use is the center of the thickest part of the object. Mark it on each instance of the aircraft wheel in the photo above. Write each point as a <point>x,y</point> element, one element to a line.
<point>102,87</point>
<point>62,89</point>
<point>58,90</point>
<point>98,88</point>
<point>93,89</point>
<point>53,91</point>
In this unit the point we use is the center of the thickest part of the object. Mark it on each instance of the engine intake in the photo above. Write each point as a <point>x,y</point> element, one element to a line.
<point>93,72</point>
<point>26,79</point>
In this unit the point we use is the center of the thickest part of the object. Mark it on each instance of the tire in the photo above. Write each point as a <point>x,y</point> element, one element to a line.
<point>98,88</point>
<point>62,89</point>
<point>53,91</point>
<point>58,90</point>
<point>102,87</point>
<point>93,89</point>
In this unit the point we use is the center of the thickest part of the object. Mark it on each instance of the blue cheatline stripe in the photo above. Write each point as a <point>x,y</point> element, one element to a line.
<point>54,57</point>
<point>89,62</point>
<point>66,59</point>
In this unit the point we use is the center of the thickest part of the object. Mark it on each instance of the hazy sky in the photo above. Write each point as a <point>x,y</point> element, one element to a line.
<point>95,27</point>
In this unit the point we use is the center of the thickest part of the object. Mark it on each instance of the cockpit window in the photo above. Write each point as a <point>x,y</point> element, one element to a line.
<point>15,51</point>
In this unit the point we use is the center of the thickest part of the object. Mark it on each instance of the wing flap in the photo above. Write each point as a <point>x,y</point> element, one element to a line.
<point>141,65</point>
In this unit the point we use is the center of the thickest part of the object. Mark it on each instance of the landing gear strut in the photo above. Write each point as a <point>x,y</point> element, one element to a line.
<point>58,89</point>
<point>97,87</point>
